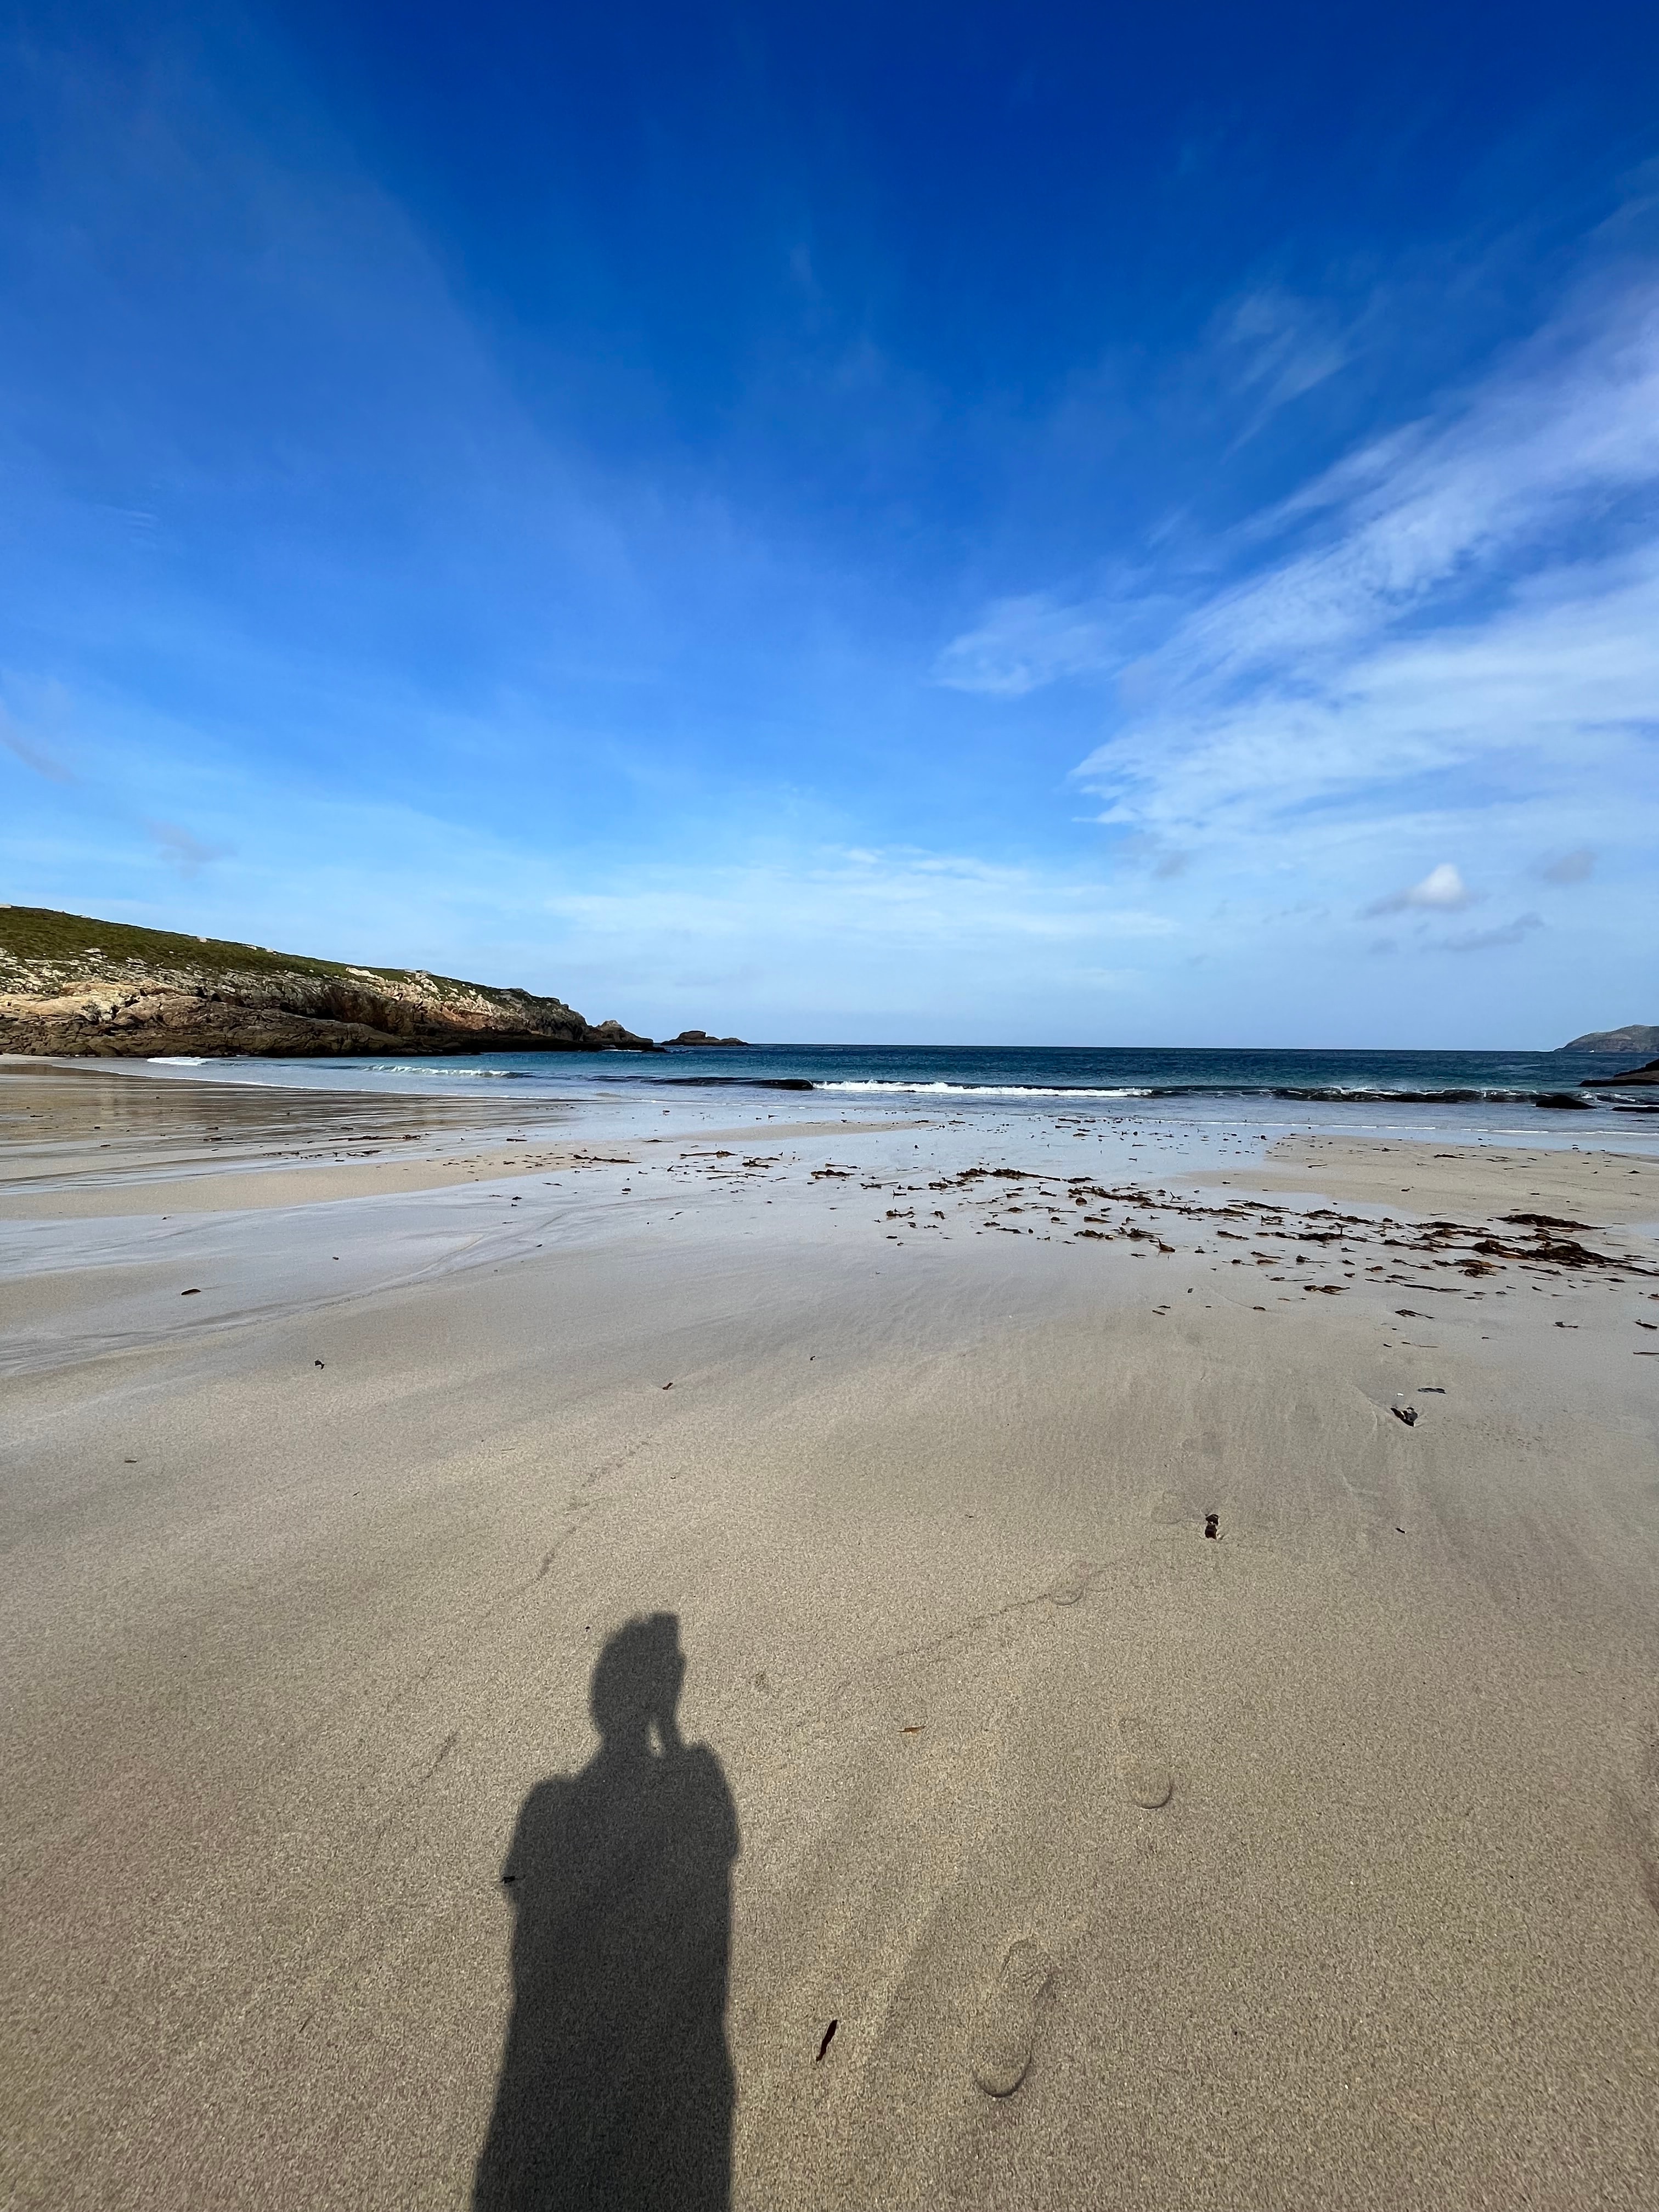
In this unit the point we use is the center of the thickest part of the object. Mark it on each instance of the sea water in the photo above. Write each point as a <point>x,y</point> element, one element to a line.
<point>1492,1097</point>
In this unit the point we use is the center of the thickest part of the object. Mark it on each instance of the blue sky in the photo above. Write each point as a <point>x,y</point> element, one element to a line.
<point>1002,524</point>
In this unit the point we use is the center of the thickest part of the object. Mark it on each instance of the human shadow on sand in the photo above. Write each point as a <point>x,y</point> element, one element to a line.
<point>615,2086</point>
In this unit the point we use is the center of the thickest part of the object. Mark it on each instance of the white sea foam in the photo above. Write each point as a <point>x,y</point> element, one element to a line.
<point>175,1059</point>
<point>402,1067</point>
<point>988,1090</point>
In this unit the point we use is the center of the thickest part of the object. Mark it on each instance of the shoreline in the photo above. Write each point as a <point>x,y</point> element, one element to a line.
<point>332,1134</point>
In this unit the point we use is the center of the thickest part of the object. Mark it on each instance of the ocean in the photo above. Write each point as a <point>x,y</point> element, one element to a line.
<point>1532,1096</point>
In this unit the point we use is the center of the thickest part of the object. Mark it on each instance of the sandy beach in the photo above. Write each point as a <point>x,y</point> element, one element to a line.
<point>1119,1682</point>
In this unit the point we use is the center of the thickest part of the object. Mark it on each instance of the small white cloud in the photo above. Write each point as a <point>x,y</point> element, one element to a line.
<point>1575,867</point>
<point>1442,891</point>
<point>1490,940</point>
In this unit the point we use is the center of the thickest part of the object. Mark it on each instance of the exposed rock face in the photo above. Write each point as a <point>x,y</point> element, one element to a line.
<point>1634,1037</point>
<point>1648,1074</point>
<point>72,985</point>
<point>702,1037</point>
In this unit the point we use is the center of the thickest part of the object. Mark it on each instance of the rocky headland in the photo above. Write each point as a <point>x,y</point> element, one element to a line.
<point>1634,1037</point>
<point>71,984</point>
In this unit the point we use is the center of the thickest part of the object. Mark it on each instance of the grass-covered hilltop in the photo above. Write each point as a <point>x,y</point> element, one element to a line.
<point>72,985</point>
<point>1634,1037</point>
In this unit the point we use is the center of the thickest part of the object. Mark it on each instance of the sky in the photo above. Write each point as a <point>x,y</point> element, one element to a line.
<point>971,524</point>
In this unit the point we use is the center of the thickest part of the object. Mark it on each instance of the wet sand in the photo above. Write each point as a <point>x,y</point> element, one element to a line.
<point>87,1143</point>
<point>1313,1862</point>
<point>1590,1185</point>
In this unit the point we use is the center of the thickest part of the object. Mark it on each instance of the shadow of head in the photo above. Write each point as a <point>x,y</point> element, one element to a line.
<point>636,1687</point>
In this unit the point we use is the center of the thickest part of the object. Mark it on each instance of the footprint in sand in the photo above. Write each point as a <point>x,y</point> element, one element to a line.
<point>1073,1583</point>
<point>1007,2022</point>
<point>1142,1767</point>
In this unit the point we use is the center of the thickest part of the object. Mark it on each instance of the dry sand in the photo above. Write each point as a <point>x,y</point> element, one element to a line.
<point>1313,1865</point>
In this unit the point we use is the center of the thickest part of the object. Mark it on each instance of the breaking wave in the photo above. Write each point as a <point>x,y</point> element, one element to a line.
<point>992,1090</point>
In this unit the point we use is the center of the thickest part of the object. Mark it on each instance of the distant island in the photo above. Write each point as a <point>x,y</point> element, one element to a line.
<point>1634,1037</point>
<point>74,986</point>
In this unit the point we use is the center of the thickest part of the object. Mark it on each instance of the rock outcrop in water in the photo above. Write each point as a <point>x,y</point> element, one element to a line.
<point>1649,1073</point>
<point>70,985</point>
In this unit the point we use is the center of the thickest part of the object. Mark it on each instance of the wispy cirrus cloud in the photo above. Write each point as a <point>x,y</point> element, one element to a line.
<point>1453,634</point>
<point>1458,634</point>
<point>1490,940</point>
<point>1022,644</point>
<point>895,900</point>
<point>183,851</point>
<point>1575,867</point>
<point>23,747</point>
<point>923,940</point>
<point>1279,347</point>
